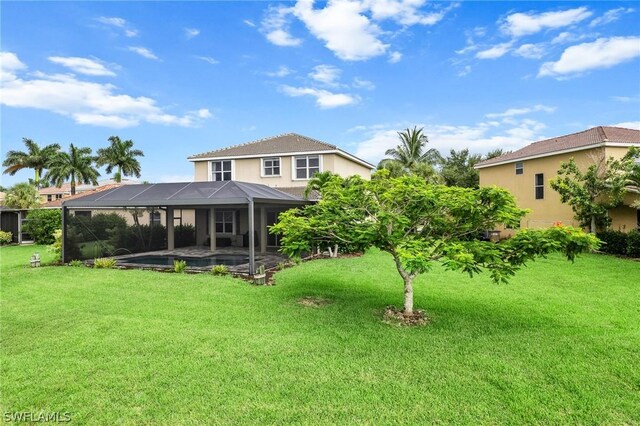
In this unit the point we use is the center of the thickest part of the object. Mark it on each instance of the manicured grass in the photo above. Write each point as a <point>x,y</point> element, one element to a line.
<point>560,344</point>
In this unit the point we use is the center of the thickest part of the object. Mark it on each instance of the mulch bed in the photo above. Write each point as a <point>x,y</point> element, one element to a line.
<point>395,316</point>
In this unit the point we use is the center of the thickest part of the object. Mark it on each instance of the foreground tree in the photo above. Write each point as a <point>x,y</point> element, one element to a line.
<point>22,196</point>
<point>121,156</point>
<point>76,166</point>
<point>458,169</point>
<point>420,224</point>
<point>35,158</point>
<point>592,192</point>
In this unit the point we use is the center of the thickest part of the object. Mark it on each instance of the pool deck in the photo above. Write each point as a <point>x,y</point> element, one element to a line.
<point>270,259</point>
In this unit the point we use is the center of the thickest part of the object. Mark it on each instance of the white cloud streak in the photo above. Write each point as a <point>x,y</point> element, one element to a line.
<point>512,112</point>
<point>602,53</point>
<point>521,24</point>
<point>191,32</point>
<point>324,98</point>
<point>84,101</point>
<point>326,74</point>
<point>83,65</point>
<point>119,23</point>
<point>610,16</point>
<point>144,52</point>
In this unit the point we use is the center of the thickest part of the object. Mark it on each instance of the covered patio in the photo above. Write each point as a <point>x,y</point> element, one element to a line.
<point>228,215</point>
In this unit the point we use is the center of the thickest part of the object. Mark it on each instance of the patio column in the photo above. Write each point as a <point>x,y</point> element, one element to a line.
<point>64,232</point>
<point>263,230</point>
<point>212,229</point>
<point>252,249</point>
<point>170,231</point>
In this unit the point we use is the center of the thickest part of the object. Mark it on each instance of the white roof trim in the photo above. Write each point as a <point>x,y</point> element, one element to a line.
<point>564,151</point>
<point>287,154</point>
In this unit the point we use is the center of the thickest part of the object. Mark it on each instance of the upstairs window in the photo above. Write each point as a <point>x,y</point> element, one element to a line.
<point>519,168</point>
<point>270,167</point>
<point>307,166</point>
<point>539,186</point>
<point>221,170</point>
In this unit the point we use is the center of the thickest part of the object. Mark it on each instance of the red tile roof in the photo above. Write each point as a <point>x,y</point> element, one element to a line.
<point>575,141</point>
<point>58,203</point>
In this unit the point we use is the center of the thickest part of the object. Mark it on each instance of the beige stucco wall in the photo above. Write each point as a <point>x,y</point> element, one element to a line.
<point>250,170</point>
<point>550,209</point>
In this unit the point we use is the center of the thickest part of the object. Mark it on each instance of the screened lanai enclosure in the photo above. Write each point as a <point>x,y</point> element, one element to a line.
<point>202,223</point>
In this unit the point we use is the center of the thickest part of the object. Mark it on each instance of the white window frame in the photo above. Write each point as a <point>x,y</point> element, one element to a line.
<point>521,168</point>
<point>233,222</point>
<point>262,167</point>
<point>210,169</point>
<point>536,186</point>
<point>294,174</point>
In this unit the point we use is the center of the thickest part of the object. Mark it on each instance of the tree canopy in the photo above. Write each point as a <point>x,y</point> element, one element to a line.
<point>591,192</point>
<point>36,158</point>
<point>458,169</point>
<point>420,224</point>
<point>75,166</point>
<point>22,196</point>
<point>121,156</point>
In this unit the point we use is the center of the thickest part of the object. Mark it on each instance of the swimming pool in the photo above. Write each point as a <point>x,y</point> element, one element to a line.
<point>217,259</point>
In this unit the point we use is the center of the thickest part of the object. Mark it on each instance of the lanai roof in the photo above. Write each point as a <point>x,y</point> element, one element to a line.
<point>184,194</point>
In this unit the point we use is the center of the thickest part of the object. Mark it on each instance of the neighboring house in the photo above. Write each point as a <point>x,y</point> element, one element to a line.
<point>53,193</point>
<point>286,162</point>
<point>526,174</point>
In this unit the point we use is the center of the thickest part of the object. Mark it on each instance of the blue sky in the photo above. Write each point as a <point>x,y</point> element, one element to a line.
<point>183,78</point>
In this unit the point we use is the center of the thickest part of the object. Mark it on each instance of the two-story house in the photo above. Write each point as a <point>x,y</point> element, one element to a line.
<point>526,174</point>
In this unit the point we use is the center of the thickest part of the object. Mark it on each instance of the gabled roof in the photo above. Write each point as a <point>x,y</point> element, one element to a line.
<point>65,188</point>
<point>587,139</point>
<point>58,203</point>
<point>183,194</point>
<point>286,143</point>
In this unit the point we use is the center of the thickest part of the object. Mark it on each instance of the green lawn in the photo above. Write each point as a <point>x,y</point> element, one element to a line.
<point>559,344</point>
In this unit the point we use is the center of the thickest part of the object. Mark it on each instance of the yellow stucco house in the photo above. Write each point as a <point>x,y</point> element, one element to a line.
<point>526,174</point>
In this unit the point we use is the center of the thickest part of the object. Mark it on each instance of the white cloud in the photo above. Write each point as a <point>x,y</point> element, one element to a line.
<point>249,23</point>
<point>275,26</point>
<point>144,52</point>
<point>208,59</point>
<point>479,138</point>
<point>512,112</point>
<point>520,24</point>
<point>609,16</point>
<point>119,23</point>
<point>395,57</point>
<point>282,71</point>
<point>602,53</point>
<point>626,99</point>
<point>82,65</point>
<point>530,51</point>
<point>495,52</point>
<point>84,101</point>
<point>324,98</point>
<point>326,74</point>
<point>405,12</point>
<point>464,71</point>
<point>360,83</point>
<point>629,125</point>
<point>567,37</point>
<point>191,32</point>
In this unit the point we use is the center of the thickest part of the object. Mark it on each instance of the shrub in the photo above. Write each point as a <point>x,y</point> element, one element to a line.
<point>185,235</point>
<point>76,263</point>
<point>220,270</point>
<point>6,238</point>
<point>41,224</point>
<point>615,242</point>
<point>104,263</point>
<point>633,243</point>
<point>56,247</point>
<point>179,266</point>
<point>280,266</point>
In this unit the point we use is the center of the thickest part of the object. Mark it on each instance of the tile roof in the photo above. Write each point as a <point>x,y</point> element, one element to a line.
<point>298,191</point>
<point>574,141</point>
<point>288,142</point>
<point>58,203</point>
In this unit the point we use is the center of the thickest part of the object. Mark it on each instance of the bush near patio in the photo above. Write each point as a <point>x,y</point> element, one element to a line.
<point>559,344</point>
<point>6,237</point>
<point>42,223</point>
<point>620,243</point>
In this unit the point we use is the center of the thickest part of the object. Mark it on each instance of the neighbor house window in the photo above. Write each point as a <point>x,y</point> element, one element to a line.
<point>221,170</point>
<point>224,222</point>
<point>307,166</point>
<point>271,167</point>
<point>519,168</point>
<point>539,186</point>
<point>49,197</point>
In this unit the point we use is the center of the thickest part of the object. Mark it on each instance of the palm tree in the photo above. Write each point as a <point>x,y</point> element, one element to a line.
<point>121,156</point>
<point>22,196</point>
<point>410,152</point>
<point>75,166</point>
<point>318,181</point>
<point>35,158</point>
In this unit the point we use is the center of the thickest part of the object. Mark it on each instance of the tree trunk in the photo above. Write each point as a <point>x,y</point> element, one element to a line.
<point>408,287</point>
<point>118,177</point>
<point>37,179</point>
<point>593,225</point>
<point>73,186</point>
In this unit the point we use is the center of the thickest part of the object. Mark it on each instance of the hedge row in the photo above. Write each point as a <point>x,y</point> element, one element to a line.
<point>620,243</point>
